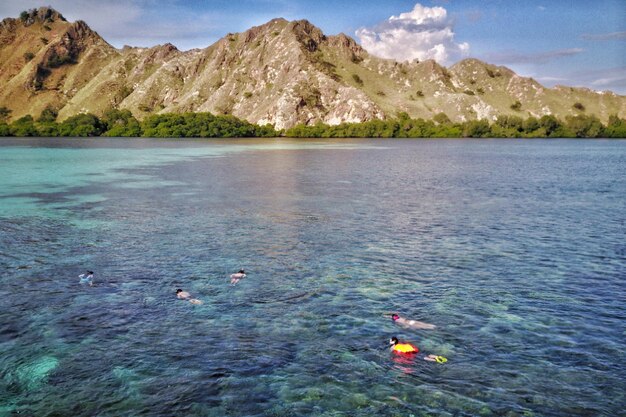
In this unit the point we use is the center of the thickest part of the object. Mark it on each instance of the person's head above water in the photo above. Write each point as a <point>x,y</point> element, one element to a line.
<point>394,317</point>
<point>179,290</point>
<point>90,272</point>
<point>241,271</point>
<point>403,347</point>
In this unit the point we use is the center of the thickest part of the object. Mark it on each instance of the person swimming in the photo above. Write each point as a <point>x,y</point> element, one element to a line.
<point>234,278</point>
<point>397,347</point>
<point>184,295</point>
<point>411,324</point>
<point>86,278</point>
<point>409,349</point>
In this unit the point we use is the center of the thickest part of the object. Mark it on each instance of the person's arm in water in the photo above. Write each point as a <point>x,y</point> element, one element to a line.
<point>86,279</point>
<point>413,324</point>
<point>435,358</point>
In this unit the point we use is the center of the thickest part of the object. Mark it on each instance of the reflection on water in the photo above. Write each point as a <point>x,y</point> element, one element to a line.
<point>514,249</point>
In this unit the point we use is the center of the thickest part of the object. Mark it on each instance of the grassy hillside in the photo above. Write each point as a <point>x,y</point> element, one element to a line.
<point>282,73</point>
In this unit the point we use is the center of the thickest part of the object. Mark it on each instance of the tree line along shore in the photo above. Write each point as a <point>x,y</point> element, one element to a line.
<point>121,123</point>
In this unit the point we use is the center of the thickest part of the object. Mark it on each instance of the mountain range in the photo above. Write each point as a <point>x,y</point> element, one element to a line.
<point>282,73</point>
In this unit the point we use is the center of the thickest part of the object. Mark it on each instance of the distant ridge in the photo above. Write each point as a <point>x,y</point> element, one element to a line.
<point>283,73</point>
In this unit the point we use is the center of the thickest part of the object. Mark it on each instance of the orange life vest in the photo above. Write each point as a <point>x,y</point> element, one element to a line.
<point>405,348</point>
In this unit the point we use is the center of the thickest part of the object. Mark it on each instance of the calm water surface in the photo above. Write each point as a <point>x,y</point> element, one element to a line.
<point>516,250</point>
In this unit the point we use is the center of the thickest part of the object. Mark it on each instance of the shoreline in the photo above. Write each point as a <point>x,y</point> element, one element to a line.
<point>297,138</point>
<point>122,123</point>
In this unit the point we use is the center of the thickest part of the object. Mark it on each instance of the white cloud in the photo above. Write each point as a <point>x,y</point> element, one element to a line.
<point>508,57</point>
<point>549,79</point>
<point>612,79</point>
<point>604,36</point>
<point>423,33</point>
<point>613,82</point>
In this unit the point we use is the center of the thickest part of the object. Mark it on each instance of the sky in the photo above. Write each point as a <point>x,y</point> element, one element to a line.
<point>568,42</point>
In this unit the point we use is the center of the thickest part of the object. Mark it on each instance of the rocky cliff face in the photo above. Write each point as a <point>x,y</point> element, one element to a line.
<point>46,61</point>
<point>282,73</point>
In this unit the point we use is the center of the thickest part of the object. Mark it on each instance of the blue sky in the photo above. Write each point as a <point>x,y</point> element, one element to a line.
<point>574,42</point>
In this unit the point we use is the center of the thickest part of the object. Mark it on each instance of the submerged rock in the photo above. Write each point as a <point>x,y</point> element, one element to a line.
<point>33,375</point>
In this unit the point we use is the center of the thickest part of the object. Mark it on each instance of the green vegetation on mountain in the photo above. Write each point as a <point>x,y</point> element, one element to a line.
<point>5,112</point>
<point>504,127</point>
<point>24,126</point>
<point>202,125</point>
<point>121,123</point>
<point>616,128</point>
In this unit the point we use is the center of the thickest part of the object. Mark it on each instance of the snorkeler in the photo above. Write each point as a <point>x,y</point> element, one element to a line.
<point>411,324</point>
<point>86,278</point>
<point>184,295</point>
<point>398,347</point>
<point>409,349</point>
<point>234,278</point>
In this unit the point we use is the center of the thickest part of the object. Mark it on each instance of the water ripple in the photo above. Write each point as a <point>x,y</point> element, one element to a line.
<point>513,249</point>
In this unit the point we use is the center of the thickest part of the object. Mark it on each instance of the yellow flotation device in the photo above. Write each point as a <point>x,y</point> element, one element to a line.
<point>441,359</point>
<point>405,348</point>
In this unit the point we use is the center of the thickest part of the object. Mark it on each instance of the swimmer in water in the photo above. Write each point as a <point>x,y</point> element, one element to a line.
<point>435,358</point>
<point>184,295</point>
<point>234,278</point>
<point>411,324</point>
<point>397,347</point>
<point>409,349</point>
<point>86,278</point>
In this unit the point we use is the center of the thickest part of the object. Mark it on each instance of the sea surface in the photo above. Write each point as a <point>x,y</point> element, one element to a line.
<point>514,249</point>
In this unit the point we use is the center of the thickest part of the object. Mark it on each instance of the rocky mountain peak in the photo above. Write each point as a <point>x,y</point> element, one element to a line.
<point>307,34</point>
<point>433,67</point>
<point>161,53</point>
<point>41,15</point>
<point>80,30</point>
<point>70,45</point>
<point>477,68</point>
<point>280,21</point>
<point>347,46</point>
<point>344,41</point>
<point>282,72</point>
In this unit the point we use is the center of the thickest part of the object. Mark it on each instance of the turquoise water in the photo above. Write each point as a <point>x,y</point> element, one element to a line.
<point>516,250</point>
